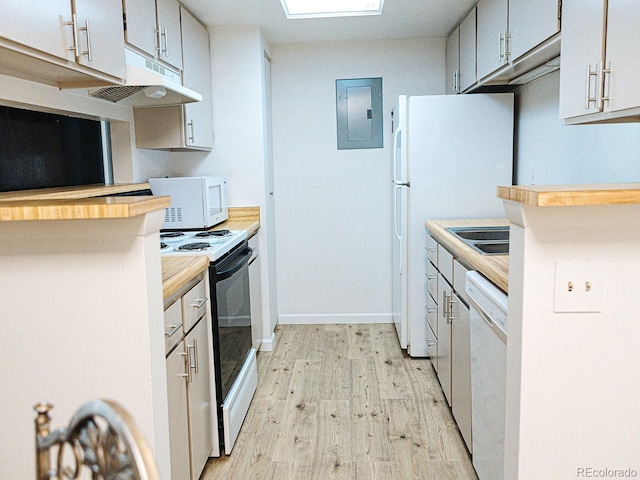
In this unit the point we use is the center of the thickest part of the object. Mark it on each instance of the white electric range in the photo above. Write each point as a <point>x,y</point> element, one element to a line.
<point>214,244</point>
<point>234,358</point>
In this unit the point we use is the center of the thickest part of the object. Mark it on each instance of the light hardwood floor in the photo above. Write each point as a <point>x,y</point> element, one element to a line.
<point>344,402</point>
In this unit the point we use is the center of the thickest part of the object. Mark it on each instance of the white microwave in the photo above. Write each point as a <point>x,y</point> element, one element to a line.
<point>196,202</point>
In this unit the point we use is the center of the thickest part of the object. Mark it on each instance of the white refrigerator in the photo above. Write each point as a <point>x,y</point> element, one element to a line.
<point>450,153</point>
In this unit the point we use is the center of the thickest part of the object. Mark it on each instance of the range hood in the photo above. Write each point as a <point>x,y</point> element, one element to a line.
<point>148,84</point>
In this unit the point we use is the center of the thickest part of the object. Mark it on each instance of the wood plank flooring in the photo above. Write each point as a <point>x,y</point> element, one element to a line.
<point>344,402</point>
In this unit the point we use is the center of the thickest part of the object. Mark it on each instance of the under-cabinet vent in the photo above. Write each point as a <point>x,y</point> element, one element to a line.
<point>115,94</point>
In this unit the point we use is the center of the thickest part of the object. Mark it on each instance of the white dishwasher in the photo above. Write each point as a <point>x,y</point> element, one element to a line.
<point>488,319</point>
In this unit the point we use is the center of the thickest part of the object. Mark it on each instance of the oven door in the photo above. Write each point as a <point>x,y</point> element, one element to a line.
<point>235,365</point>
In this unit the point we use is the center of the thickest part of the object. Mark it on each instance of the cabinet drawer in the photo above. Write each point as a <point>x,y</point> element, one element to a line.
<point>173,331</point>
<point>432,314</point>
<point>195,305</point>
<point>432,280</point>
<point>445,263</point>
<point>459,279</point>
<point>432,249</point>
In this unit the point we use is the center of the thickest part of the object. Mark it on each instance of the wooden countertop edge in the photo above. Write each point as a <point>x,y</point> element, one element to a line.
<point>80,209</point>
<point>81,191</point>
<point>176,271</point>
<point>572,195</point>
<point>494,267</point>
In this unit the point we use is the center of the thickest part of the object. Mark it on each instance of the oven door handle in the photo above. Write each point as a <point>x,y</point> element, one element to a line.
<point>239,262</point>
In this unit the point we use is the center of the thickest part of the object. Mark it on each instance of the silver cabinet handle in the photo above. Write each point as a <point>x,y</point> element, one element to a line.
<point>174,329</point>
<point>190,138</point>
<point>74,31</point>
<point>199,302</point>
<point>85,29</point>
<point>452,302</point>
<point>158,41</point>
<point>588,98</point>
<point>165,35</point>
<point>445,305</point>
<point>195,367</point>
<point>185,358</point>
<point>606,80</point>
<point>500,40</point>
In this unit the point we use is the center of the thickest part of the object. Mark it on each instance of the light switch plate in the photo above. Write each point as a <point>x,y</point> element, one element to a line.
<point>579,286</point>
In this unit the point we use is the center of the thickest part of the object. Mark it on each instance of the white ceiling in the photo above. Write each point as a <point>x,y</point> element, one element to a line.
<point>399,19</point>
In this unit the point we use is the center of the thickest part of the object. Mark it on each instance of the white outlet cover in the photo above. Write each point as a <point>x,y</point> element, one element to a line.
<point>579,286</point>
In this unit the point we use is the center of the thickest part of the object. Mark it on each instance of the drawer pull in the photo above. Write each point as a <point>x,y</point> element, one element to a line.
<point>174,329</point>
<point>199,303</point>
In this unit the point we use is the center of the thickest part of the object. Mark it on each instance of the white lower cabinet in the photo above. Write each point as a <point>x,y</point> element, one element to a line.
<point>178,414</point>
<point>461,367</point>
<point>444,337</point>
<point>192,416</point>
<point>449,327</point>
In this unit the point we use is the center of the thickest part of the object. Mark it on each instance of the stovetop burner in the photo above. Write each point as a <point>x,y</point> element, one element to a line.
<point>172,236</point>
<point>194,247</point>
<point>213,233</point>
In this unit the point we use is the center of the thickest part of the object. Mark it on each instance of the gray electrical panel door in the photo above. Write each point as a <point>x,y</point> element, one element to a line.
<point>359,113</point>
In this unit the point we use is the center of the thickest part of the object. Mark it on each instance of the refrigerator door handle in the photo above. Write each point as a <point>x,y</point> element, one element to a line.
<point>397,137</point>
<point>396,190</point>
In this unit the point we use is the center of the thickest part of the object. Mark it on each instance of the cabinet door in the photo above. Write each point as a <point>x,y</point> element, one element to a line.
<point>178,415</point>
<point>623,39</point>
<point>461,368</point>
<point>39,25</point>
<point>444,337</point>
<point>168,15</point>
<point>453,62</point>
<point>492,32</point>
<point>468,51</point>
<point>530,24</point>
<point>197,76</point>
<point>200,403</point>
<point>141,25</point>
<point>582,49</point>
<point>101,36</point>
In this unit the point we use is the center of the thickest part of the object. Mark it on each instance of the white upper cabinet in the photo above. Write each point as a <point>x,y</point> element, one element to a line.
<point>599,63</point>
<point>47,30</point>
<point>153,26</point>
<point>530,24</point>
<point>100,36</point>
<point>189,126</point>
<point>61,42</point>
<point>197,76</point>
<point>492,36</point>
<point>467,51</point>
<point>453,62</point>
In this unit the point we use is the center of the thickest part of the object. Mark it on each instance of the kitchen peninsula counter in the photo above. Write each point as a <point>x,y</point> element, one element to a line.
<point>494,267</point>
<point>572,195</point>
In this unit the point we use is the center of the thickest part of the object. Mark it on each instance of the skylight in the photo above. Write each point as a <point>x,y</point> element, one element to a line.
<point>331,8</point>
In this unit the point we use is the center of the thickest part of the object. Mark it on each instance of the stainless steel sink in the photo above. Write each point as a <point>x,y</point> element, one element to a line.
<point>484,240</point>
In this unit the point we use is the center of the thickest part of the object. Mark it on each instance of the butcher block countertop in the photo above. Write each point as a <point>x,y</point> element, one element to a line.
<point>494,267</point>
<point>176,271</point>
<point>572,195</point>
<point>78,203</point>
<point>242,218</point>
<point>80,209</point>
<point>81,191</point>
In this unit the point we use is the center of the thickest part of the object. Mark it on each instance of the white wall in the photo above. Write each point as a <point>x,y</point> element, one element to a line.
<point>333,208</point>
<point>549,152</point>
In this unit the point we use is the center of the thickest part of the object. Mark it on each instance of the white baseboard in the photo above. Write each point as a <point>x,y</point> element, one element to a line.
<point>268,344</point>
<point>334,318</point>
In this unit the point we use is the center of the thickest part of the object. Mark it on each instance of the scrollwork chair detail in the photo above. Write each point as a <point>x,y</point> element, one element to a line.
<point>101,439</point>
